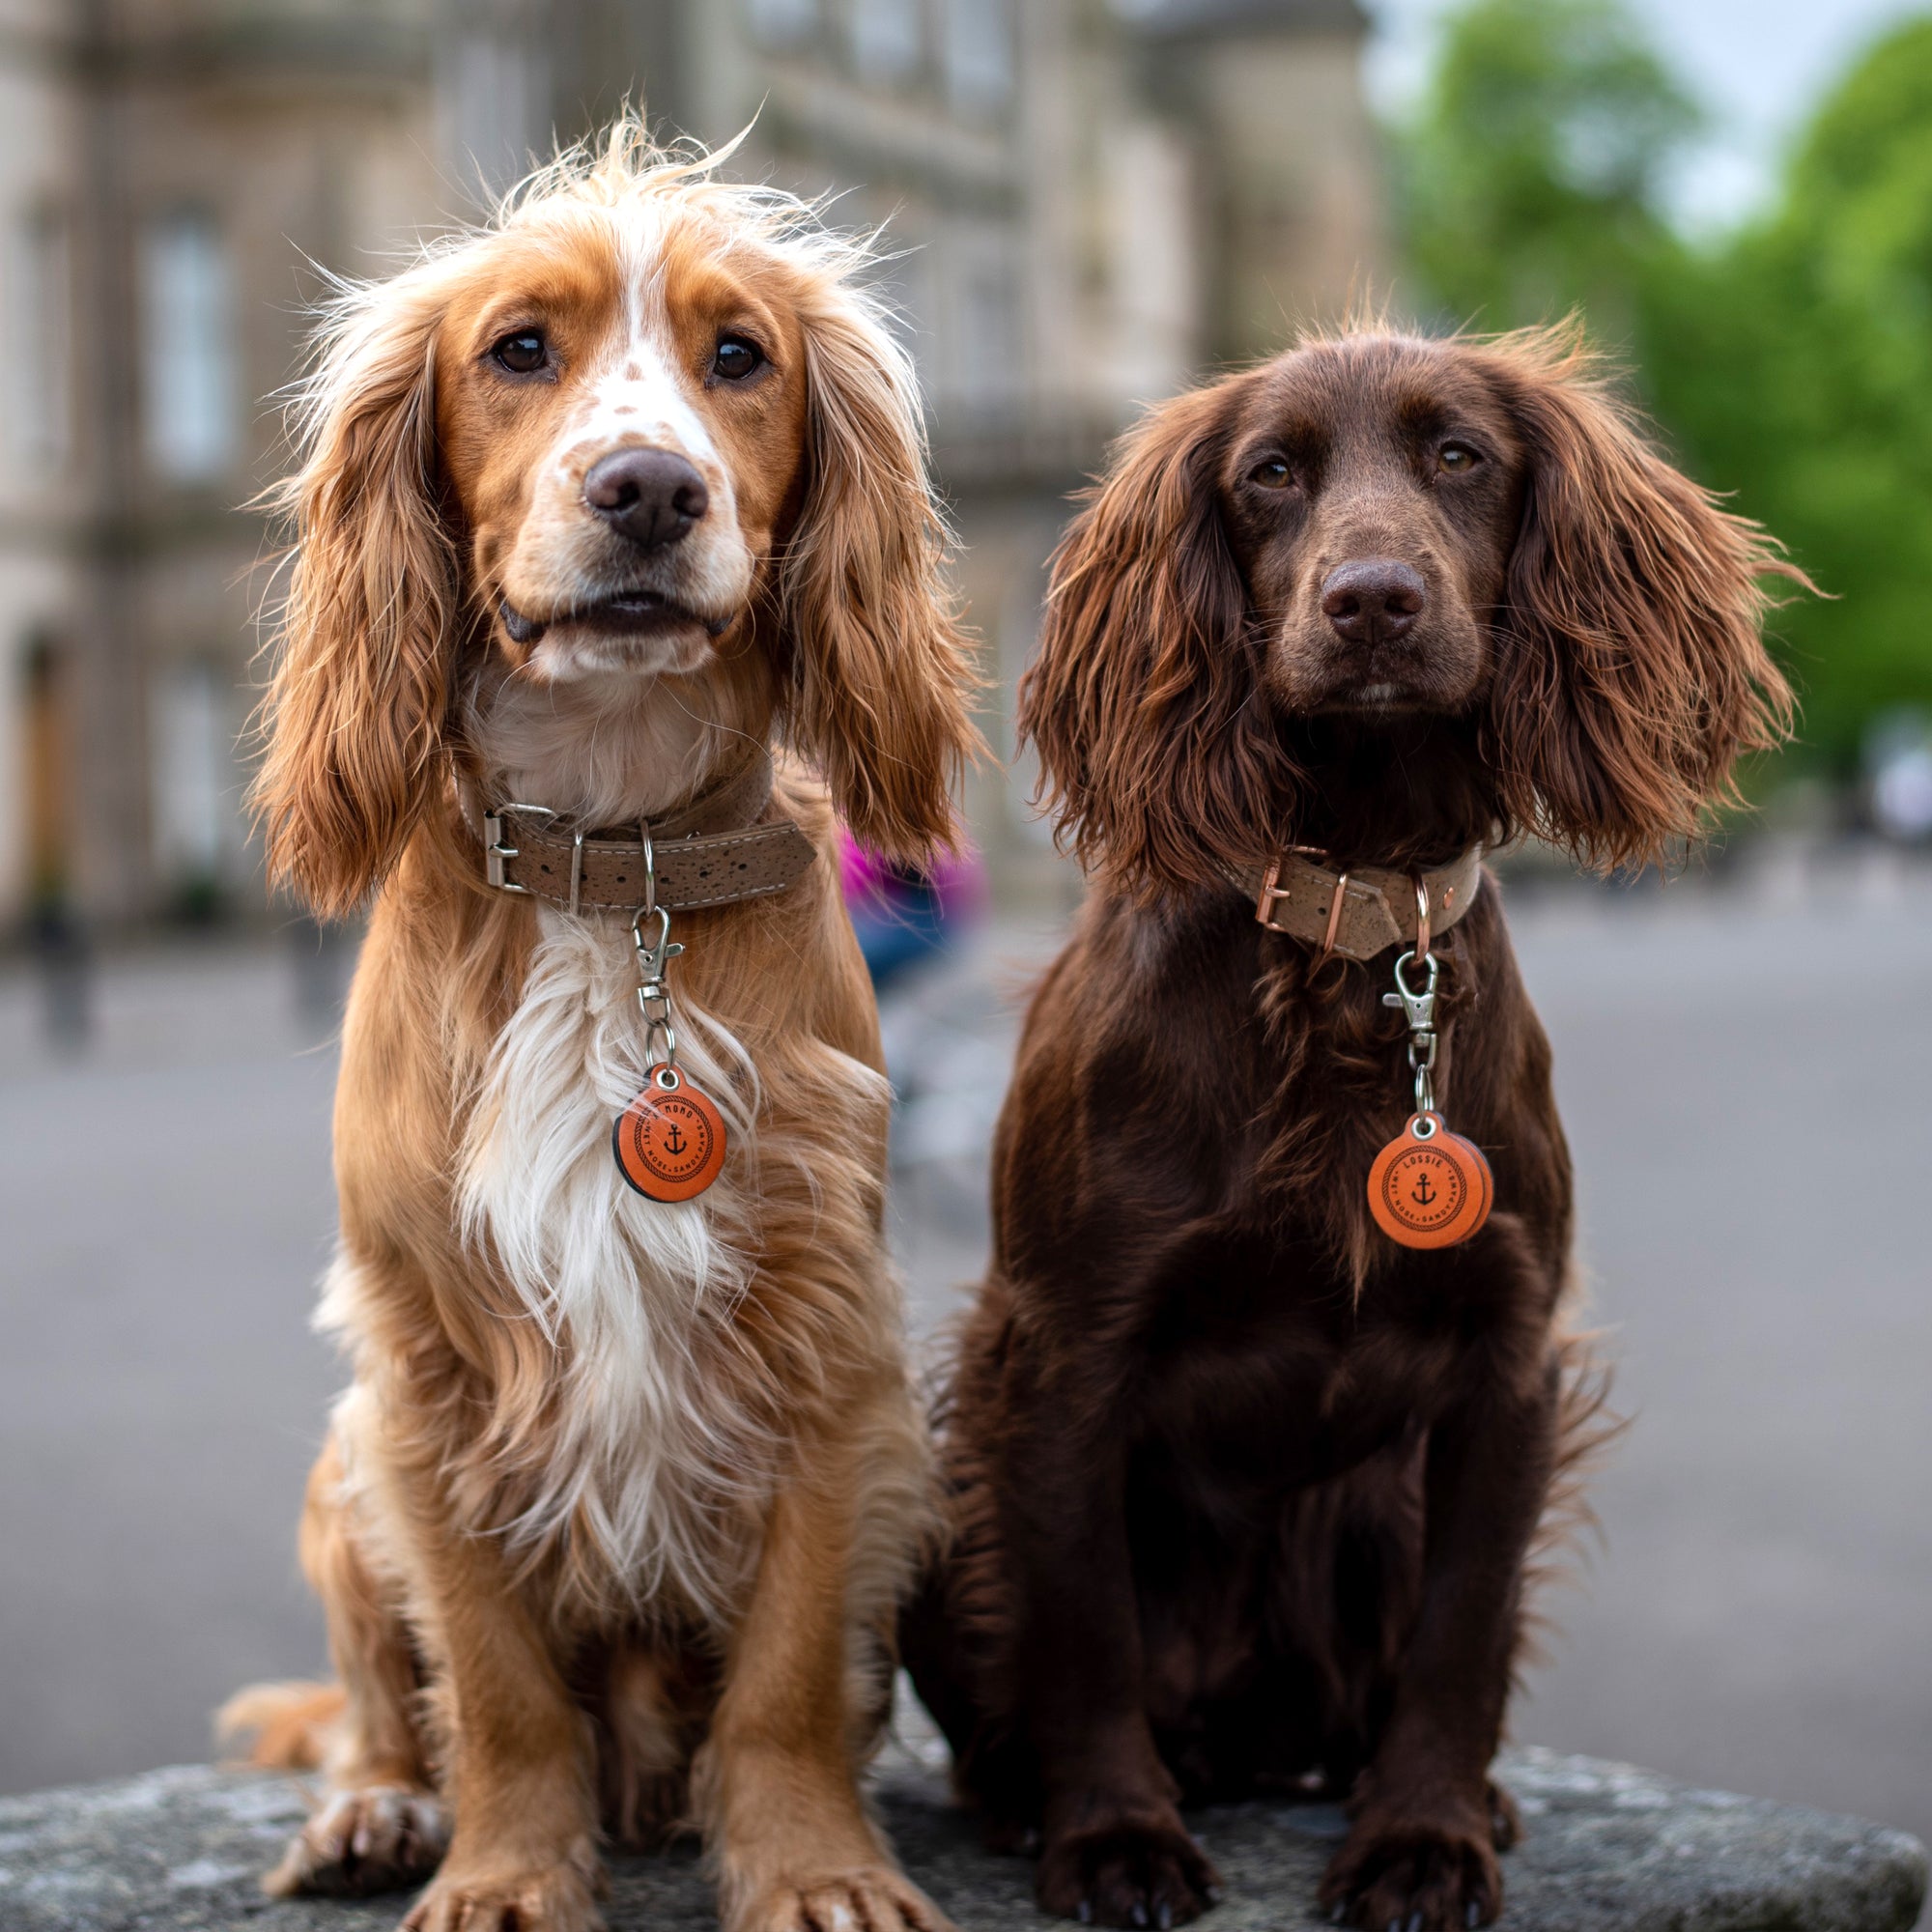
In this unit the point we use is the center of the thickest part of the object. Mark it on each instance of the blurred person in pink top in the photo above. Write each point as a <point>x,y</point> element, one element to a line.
<point>901,916</point>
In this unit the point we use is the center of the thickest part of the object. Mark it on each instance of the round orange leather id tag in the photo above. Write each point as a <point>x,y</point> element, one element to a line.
<point>1429,1188</point>
<point>669,1141</point>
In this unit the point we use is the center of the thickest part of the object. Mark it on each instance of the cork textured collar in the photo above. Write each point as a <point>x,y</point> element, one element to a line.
<point>1359,913</point>
<point>716,850</point>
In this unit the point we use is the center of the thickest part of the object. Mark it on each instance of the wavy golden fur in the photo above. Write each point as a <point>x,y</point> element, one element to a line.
<point>613,1516</point>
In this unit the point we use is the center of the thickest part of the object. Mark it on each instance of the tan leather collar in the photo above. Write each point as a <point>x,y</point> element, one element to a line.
<point>1362,912</point>
<point>709,852</point>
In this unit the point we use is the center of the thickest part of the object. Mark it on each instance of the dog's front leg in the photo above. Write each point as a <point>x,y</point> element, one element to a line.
<point>1424,1821</point>
<point>1114,1849</point>
<point>522,1853</point>
<point>777,1784</point>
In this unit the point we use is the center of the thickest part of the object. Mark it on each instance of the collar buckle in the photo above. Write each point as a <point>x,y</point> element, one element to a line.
<point>495,851</point>
<point>1273,892</point>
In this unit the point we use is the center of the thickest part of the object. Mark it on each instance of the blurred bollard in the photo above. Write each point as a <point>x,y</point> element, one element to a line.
<point>67,975</point>
<point>57,938</point>
<point>1897,758</point>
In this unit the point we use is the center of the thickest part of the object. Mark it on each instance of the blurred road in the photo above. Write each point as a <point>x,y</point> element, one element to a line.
<point>1745,1068</point>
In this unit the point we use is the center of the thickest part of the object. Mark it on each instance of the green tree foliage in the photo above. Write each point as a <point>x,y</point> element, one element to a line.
<point>1790,364</point>
<point>1532,174</point>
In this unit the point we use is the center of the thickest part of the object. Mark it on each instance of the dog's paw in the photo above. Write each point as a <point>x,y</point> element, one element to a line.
<point>1414,1878</point>
<point>557,1898</point>
<point>1133,1874</point>
<point>382,1837</point>
<point>874,1898</point>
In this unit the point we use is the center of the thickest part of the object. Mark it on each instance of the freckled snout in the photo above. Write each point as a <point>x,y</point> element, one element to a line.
<point>1373,599</point>
<point>651,496</point>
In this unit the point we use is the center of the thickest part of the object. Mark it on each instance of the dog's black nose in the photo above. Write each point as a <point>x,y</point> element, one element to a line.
<point>1373,599</point>
<point>653,496</point>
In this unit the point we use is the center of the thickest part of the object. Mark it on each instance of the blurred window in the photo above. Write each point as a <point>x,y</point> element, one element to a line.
<point>40,308</point>
<point>492,104</point>
<point>886,37</point>
<point>989,339</point>
<point>193,771</point>
<point>978,53</point>
<point>190,402</point>
<point>783,23</point>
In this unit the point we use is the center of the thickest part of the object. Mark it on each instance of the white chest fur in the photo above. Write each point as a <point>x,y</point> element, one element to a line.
<point>653,1450</point>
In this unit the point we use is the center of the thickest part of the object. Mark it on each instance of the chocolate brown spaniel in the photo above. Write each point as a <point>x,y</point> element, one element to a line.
<point>1247,1494</point>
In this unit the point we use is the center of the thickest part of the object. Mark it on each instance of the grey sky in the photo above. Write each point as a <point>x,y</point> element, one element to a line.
<point>1758,66</point>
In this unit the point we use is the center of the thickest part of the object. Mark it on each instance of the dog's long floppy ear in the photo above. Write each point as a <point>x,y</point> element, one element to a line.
<point>880,669</point>
<point>1140,702</point>
<point>1631,672</point>
<point>354,712</point>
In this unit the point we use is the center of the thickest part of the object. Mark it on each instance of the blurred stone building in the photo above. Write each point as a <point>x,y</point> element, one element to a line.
<point>1091,200</point>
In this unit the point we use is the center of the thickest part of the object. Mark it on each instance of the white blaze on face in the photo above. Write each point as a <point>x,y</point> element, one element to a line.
<point>637,393</point>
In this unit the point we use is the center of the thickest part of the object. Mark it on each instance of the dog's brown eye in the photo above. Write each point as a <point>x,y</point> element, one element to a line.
<point>1454,457</point>
<point>736,358</point>
<point>522,351</point>
<point>1273,474</point>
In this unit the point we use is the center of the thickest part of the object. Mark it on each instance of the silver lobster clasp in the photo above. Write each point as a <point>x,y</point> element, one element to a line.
<point>1418,1009</point>
<point>653,955</point>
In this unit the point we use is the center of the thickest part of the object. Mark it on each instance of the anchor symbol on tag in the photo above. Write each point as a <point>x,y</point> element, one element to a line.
<point>1429,1188</point>
<point>669,1141</point>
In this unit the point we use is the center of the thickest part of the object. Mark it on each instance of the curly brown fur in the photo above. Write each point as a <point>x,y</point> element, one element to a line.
<point>1245,1496</point>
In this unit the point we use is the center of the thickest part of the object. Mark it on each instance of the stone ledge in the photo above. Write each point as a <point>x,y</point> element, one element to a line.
<point>1606,1849</point>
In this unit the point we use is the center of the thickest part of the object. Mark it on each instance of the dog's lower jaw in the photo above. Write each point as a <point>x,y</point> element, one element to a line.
<point>569,653</point>
<point>641,610</point>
